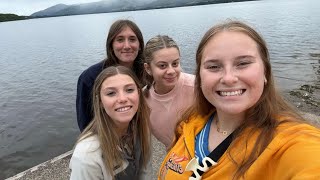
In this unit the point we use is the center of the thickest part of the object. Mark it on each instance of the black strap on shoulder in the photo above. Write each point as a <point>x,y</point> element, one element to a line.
<point>217,152</point>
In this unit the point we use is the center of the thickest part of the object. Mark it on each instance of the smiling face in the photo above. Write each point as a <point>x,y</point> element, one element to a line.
<point>165,69</point>
<point>120,98</point>
<point>126,47</point>
<point>232,72</point>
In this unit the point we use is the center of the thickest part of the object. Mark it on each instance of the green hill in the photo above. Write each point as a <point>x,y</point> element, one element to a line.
<point>11,17</point>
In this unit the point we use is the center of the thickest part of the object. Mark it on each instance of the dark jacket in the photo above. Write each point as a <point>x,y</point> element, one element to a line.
<point>84,94</point>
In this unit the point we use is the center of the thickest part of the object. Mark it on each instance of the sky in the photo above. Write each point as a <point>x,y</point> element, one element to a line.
<point>27,7</point>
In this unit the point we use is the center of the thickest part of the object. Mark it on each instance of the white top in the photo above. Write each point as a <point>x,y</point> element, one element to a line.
<point>87,163</point>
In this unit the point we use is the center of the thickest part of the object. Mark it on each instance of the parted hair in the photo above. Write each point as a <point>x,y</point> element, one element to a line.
<point>155,44</point>
<point>111,58</point>
<point>105,129</point>
<point>262,117</point>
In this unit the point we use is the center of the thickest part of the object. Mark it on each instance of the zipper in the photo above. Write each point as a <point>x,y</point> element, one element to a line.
<point>185,144</point>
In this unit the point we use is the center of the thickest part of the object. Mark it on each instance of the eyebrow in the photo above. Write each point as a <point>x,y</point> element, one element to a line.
<point>125,86</point>
<point>167,62</point>
<point>245,56</point>
<point>237,58</point>
<point>211,61</point>
<point>131,36</point>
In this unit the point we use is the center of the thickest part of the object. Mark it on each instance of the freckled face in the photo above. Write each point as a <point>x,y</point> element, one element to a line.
<point>120,98</point>
<point>165,69</point>
<point>126,47</point>
<point>232,72</point>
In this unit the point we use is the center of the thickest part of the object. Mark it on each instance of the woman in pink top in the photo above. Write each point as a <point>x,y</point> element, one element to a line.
<point>169,91</point>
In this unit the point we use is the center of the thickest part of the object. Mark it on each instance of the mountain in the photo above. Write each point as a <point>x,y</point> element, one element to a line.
<point>51,10</point>
<point>106,6</point>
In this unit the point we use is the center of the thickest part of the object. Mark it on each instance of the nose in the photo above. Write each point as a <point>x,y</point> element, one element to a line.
<point>126,44</point>
<point>122,98</point>
<point>229,77</point>
<point>170,70</point>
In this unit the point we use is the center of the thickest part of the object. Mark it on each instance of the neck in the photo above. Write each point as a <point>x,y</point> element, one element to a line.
<point>162,89</point>
<point>227,122</point>
<point>128,65</point>
<point>121,130</point>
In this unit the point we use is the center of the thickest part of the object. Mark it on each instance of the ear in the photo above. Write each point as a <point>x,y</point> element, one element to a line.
<point>265,80</point>
<point>147,68</point>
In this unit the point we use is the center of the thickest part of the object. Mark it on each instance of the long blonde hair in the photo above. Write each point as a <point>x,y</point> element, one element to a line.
<point>105,129</point>
<point>262,116</point>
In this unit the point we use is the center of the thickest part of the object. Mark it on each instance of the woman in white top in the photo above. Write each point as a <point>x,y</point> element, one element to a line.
<point>169,91</point>
<point>116,143</point>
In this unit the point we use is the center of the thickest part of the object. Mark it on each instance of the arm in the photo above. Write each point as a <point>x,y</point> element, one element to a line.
<point>83,104</point>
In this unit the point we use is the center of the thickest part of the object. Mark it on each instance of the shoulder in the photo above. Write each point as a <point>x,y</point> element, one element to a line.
<point>299,146</point>
<point>91,73</point>
<point>188,79</point>
<point>87,149</point>
<point>296,131</point>
<point>194,123</point>
<point>87,162</point>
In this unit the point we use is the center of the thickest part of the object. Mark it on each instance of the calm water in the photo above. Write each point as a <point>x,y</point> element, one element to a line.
<point>41,59</point>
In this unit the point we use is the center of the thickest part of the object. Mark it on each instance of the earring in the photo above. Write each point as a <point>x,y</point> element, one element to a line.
<point>265,81</point>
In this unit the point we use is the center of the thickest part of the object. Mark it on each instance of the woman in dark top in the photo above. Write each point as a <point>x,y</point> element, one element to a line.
<point>124,47</point>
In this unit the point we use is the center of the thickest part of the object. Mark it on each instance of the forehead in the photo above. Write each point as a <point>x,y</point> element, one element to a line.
<point>166,55</point>
<point>117,81</point>
<point>230,43</point>
<point>126,31</point>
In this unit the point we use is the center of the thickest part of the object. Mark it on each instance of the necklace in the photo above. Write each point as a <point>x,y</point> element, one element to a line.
<point>219,130</point>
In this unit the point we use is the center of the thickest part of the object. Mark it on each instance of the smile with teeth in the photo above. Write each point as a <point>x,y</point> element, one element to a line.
<point>122,109</point>
<point>231,93</point>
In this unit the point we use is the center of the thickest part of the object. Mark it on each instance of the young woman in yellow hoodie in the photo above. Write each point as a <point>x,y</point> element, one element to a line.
<point>240,127</point>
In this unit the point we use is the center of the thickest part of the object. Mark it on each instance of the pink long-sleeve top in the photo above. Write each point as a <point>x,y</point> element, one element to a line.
<point>166,109</point>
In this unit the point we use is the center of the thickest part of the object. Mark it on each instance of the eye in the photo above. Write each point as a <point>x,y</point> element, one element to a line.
<point>243,64</point>
<point>213,67</point>
<point>175,64</point>
<point>110,93</point>
<point>130,90</point>
<point>132,39</point>
<point>119,39</point>
<point>162,66</point>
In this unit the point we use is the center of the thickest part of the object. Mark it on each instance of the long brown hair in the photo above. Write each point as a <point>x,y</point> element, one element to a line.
<point>112,59</point>
<point>104,127</point>
<point>262,117</point>
<point>155,44</point>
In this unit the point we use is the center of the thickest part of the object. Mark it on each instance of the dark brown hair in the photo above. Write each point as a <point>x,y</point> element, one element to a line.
<point>112,59</point>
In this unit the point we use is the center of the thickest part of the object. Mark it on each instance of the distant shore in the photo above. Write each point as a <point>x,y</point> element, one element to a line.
<point>12,17</point>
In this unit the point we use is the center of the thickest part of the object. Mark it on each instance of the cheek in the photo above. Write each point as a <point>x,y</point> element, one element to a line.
<point>135,100</point>
<point>106,105</point>
<point>136,45</point>
<point>156,73</point>
<point>116,46</point>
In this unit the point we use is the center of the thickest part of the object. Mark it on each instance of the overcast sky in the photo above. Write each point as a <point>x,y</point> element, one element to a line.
<point>27,7</point>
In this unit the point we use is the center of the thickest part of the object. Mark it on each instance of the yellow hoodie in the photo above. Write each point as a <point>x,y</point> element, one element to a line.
<point>293,153</point>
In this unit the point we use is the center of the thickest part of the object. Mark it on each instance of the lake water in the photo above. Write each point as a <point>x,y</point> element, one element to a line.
<point>41,59</point>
